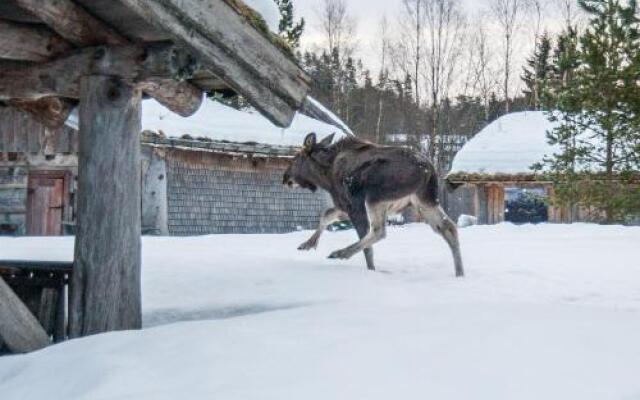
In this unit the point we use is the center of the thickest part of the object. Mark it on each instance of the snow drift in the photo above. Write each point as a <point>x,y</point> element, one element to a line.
<point>545,312</point>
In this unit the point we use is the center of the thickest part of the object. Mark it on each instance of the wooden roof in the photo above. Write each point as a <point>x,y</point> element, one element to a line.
<point>221,147</point>
<point>215,45</point>
<point>476,178</point>
<point>461,178</point>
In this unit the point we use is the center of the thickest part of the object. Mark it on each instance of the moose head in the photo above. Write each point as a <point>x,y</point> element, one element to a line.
<point>309,167</point>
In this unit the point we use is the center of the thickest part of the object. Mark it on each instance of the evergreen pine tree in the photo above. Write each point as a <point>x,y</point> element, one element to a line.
<point>565,61</point>
<point>537,72</point>
<point>290,29</point>
<point>599,115</point>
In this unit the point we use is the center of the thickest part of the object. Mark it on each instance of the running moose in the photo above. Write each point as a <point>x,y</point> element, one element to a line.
<point>367,182</point>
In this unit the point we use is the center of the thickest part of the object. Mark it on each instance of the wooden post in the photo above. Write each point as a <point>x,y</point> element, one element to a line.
<point>105,292</point>
<point>19,329</point>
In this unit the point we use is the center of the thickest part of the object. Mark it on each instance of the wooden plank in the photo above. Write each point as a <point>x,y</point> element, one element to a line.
<point>183,99</point>
<point>20,138</point>
<point>82,29</point>
<point>34,132</point>
<point>29,42</point>
<point>116,15</point>
<point>37,265</point>
<point>62,76</point>
<point>50,111</point>
<point>60,329</point>
<point>62,141</point>
<point>234,50</point>
<point>20,330</point>
<point>10,134</point>
<point>72,22</point>
<point>47,311</point>
<point>10,11</point>
<point>105,294</point>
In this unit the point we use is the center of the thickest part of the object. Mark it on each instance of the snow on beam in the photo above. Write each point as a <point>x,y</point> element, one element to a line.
<point>234,50</point>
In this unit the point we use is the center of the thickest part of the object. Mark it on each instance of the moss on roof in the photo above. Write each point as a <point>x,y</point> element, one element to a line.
<point>257,21</point>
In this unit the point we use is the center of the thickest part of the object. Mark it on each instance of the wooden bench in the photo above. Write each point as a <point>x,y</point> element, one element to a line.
<point>34,300</point>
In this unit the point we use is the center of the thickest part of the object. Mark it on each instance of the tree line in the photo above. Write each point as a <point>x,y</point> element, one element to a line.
<point>590,86</point>
<point>439,82</point>
<point>435,83</point>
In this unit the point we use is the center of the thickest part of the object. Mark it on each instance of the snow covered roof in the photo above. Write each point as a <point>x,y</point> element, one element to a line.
<point>219,122</point>
<point>269,11</point>
<point>509,145</point>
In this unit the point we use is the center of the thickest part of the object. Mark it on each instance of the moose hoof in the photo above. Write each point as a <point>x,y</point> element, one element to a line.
<point>341,254</point>
<point>308,245</point>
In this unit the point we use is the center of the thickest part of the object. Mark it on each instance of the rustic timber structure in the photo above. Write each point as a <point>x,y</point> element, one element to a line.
<point>190,185</point>
<point>105,55</point>
<point>493,178</point>
<point>194,187</point>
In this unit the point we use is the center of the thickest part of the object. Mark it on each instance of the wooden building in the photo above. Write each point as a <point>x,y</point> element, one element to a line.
<point>37,175</point>
<point>195,181</point>
<point>103,56</point>
<point>492,172</point>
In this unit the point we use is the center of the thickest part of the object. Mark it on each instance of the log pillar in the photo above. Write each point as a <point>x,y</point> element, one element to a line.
<point>105,292</point>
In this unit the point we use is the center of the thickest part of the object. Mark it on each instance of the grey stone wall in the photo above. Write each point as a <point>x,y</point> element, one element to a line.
<point>209,193</point>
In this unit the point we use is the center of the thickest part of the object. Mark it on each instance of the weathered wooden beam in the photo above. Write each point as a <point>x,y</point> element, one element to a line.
<point>82,29</point>
<point>182,99</point>
<point>20,330</point>
<point>62,76</point>
<point>72,22</point>
<point>10,11</point>
<point>50,111</point>
<point>105,294</point>
<point>29,42</point>
<point>234,50</point>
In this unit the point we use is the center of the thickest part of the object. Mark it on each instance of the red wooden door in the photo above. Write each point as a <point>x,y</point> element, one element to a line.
<point>45,205</point>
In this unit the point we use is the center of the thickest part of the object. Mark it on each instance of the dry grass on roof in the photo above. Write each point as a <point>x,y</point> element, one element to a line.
<point>463,177</point>
<point>258,22</point>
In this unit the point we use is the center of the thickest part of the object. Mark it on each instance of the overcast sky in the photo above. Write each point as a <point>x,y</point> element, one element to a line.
<point>368,14</point>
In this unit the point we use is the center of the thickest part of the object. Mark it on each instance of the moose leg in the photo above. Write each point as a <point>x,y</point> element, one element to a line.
<point>441,224</point>
<point>362,227</point>
<point>328,217</point>
<point>376,231</point>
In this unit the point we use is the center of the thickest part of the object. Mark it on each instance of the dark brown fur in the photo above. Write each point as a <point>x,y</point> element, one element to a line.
<point>366,181</point>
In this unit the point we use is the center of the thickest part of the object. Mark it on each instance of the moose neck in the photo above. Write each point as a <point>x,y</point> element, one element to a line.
<point>321,173</point>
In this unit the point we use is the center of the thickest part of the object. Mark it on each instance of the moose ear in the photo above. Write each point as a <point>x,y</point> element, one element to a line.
<point>309,142</point>
<point>328,140</point>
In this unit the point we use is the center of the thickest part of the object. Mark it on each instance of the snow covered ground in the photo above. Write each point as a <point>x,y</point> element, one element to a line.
<point>545,312</point>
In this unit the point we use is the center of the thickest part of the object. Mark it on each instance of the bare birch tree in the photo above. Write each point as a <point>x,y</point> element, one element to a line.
<point>484,72</point>
<point>444,31</point>
<point>508,15</point>
<point>338,27</point>
<point>385,46</point>
<point>408,51</point>
<point>569,10</point>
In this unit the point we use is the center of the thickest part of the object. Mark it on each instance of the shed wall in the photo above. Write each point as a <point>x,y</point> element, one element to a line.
<point>212,193</point>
